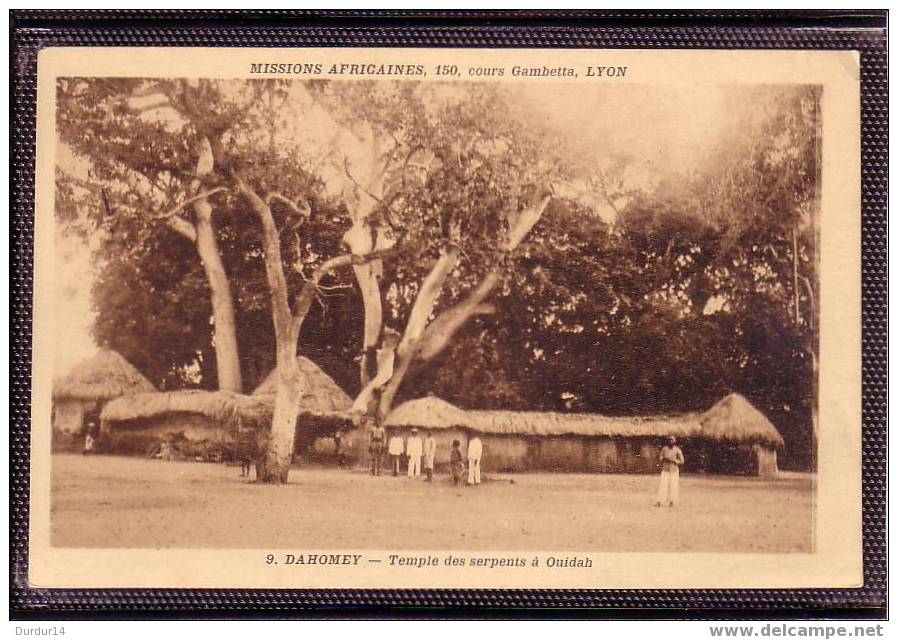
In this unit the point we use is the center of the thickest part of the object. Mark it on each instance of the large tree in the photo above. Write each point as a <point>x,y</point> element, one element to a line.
<point>481,186</point>
<point>144,156</point>
<point>452,172</point>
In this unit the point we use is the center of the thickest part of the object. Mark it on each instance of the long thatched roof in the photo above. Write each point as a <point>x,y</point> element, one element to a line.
<point>232,410</point>
<point>320,393</point>
<point>732,419</point>
<point>222,406</point>
<point>104,376</point>
<point>548,423</point>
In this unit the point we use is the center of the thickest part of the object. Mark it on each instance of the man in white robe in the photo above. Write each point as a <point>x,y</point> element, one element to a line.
<point>414,448</point>
<point>671,459</point>
<point>475,453</point>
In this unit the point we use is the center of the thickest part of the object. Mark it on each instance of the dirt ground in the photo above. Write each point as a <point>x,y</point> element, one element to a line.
<point>106,501</point>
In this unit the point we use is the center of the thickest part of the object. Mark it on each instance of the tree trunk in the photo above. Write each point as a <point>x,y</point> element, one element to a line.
<point>360,240</point>
<point>274,467</point>
<point>227,356</point>
<point>274,464</point>
<point>417,323</point>
<point>371,301</point>
<point>795,292</point>
<point>389,393</point>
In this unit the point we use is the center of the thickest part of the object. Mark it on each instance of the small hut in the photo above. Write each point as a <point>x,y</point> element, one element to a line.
<point>735,422</point>
<point>323,408</point>
<point>89,386</point>
<point>320,392</point>
<point>202,421</point>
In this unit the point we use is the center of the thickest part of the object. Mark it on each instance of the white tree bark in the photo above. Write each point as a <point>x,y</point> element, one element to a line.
<point>227,356</point>
<point>275,466</point>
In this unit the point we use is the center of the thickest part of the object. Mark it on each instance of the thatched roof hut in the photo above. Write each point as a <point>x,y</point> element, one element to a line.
<point>105,376</point>
<point>217,413</point>
<point>430,412</point>
<point>735,419</point>
<point>321,394</point>
<point>203,423</point>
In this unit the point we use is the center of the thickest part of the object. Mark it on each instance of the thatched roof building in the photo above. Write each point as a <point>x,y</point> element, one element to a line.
<point>731,437</point>
<point>203,423</point>
<point>105,376</point>
<point>735,419</point>
<point>79,396</point>
<point>430,412</point>
<point>321,394</point>
<point>219,415</point>
<point>548,423</point>
<point>223,407</point>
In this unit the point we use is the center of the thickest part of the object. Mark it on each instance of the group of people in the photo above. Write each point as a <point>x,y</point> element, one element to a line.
<point>422,454</point>
<point>419,451</point>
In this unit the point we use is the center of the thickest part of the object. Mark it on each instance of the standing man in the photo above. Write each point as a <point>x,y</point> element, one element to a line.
<point>671,459</point>
<point>376,438</point>
<point>475,452</point>
<point>413,449</point>
<point>395,451</point>
<point>430,453</point>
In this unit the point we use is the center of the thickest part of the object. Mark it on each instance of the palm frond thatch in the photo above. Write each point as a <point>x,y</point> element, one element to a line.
<point>735,419</point>
<point>320,393</point>
<point>104,376</point>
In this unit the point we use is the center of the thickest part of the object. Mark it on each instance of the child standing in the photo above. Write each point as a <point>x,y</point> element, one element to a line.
<point>90,438</point>
<point>430,453</point>
<point>456,463</point>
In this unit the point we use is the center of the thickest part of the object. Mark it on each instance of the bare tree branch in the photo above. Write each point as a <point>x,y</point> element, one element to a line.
<point>356,182</point>
<point>200,196</point>
<point>603,186</point>
<point>302,209</point>
<point>310,288</point>
<point>181,226</point>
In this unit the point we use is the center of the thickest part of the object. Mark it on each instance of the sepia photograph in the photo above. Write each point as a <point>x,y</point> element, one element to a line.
<point>396,315</point>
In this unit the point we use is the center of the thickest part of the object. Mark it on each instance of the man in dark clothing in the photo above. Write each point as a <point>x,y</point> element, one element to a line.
<point>376,438</point>
<point>456,462</point>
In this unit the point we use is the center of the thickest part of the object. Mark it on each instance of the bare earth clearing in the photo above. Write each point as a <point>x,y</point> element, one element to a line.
<point>105,501</point>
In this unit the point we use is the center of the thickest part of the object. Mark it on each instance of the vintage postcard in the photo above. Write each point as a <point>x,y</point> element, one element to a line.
<point>395,318</point>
